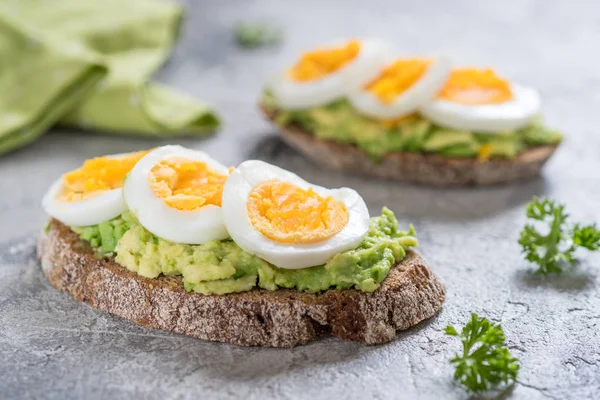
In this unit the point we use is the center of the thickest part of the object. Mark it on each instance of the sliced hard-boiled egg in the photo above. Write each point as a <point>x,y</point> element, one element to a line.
<point>175,193</point>
<point>287,221</point>
<point>480,101</point>
<point>401,88</point>
<point>327,74</point>
<point>91,194</point>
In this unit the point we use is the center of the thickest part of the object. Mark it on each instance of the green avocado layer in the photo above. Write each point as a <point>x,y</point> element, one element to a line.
<point>221,266</point>
<point>340,122</point>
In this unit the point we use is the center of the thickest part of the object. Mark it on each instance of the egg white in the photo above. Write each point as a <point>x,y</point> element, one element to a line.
<point>487,118</point>
<point>419,93</point>
<point>102,207</point>
<point>192,227</point>
<point>287,255</point>
<point>292,94</point>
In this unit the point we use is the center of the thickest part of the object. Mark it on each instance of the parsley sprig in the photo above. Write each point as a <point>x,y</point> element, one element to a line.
<point>485,361</point>
<point>555,250</point>
<point>254,35</point>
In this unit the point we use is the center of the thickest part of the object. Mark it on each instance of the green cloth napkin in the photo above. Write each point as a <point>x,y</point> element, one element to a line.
<point>88,64</point>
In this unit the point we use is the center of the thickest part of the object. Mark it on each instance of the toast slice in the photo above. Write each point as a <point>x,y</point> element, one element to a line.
<point>422,168</point>
<point>410,294</point>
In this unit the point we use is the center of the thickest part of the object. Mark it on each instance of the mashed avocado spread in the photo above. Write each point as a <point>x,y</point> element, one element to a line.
<point>339,122</point>
<point>221,266</point>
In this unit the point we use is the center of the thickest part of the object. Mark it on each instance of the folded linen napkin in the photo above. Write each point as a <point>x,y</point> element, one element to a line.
<point>88,64</point>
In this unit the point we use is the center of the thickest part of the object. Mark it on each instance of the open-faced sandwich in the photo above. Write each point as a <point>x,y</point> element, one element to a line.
<point>255,255</point>
<point>353,108</point>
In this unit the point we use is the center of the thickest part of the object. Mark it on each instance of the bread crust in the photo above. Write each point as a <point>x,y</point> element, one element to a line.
<point>421,168</point>
<point>410,294</point>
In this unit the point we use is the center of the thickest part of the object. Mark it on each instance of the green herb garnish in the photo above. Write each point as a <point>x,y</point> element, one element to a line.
<point>555,250</point>
<point>485,361</point>
<point>253,35</point>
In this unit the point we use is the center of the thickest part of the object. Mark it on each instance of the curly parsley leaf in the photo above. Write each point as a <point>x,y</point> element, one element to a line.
<point>556,249</point>
<point>485,361</point>
<point>587,236</point>
<point>254,35</point>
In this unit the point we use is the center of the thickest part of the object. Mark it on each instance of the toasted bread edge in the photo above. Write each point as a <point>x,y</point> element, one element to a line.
<point>410,294</point>
<point>420,168</point>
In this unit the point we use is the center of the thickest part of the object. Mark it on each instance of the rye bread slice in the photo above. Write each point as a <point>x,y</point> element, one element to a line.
<point>410,294</point>
<point>422,168</point>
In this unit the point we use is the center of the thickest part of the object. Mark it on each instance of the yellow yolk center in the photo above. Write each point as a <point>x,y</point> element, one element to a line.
<point>97,176</point>
<point>397,78</point>
<point>320,63</point>
<point>476,87</point>
<point>186,184</point>
<point>286,213</point>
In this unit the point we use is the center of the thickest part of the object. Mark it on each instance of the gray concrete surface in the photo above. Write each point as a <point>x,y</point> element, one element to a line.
<point>53,347</point>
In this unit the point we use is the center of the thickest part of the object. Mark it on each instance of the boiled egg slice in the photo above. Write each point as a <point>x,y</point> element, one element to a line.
<point>478,100</point>
<point>175,193</point>
<point>327,74</point>
<point>92,193</point>
<point>401,88</point>
<point>287,221</point>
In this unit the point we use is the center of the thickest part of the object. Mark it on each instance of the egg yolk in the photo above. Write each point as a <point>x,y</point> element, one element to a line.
<point>476,87</point>
<point>392,123</point>
<point>98,175</point>
<point>485,152</point>
<point>397,78</point>
<point>320,63</point>
<point>186,184</point>
<point>286,213</point>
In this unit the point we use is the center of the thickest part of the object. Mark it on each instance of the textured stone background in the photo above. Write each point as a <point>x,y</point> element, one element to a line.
<point>53,347</point>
